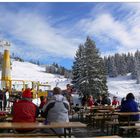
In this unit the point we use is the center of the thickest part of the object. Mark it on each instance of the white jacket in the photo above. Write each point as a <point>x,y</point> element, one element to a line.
<point>56,109</point>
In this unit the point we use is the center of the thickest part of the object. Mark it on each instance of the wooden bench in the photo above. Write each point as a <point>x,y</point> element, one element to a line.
<point>97,121</point>
<point>114,136</point>
<point>67,126</point>
<point>113,125</point>
<point>28,135</point>
<point>39,119</point>
<point>131,129</point>
<point>100,119</point>
<point>116,124</point>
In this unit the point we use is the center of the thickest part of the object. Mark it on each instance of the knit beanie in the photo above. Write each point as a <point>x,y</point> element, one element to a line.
<point>27,93</point>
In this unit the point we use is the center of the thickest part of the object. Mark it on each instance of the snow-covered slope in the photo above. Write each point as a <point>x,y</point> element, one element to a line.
<point>122,85</point>
<point>29,71</point>
<point>119,86</point>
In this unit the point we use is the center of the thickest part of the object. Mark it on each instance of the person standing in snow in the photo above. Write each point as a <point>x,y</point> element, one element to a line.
<point>57,108</point>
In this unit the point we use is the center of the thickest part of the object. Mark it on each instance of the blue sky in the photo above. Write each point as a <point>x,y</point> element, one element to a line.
<point>52,31</point>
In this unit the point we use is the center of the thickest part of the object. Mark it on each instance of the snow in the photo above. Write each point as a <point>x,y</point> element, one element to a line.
<point>118,86</point>
<point>32,72</point>
<point>122,85</point>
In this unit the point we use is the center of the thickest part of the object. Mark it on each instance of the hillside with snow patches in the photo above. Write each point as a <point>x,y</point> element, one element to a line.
<point>118,86</point>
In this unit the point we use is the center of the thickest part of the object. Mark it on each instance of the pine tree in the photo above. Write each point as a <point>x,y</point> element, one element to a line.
<point>77,69</point>
<point>117,62</point>
<point>130,62</point>
<point>112,70</point>
<point>123,65</point>
<point>106,64</point>
<point>95,69</point>
<point>89,70</point>
<point>137,66</point>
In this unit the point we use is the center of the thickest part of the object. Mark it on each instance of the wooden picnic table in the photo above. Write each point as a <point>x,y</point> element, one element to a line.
<point>129,114</point>
<point>126,113</point>
<point>116,123</point>
<point>106,115</point>
<point>23,125</point>
<point>128,122</point>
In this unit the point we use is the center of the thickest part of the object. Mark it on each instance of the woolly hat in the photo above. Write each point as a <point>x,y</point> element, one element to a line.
<point>114,97</point>
<point>27,93</point>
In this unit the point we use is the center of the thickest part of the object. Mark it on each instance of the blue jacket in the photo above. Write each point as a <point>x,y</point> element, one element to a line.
<point>130,106</point>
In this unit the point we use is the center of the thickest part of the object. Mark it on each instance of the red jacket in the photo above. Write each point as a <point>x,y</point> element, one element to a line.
<point>115,102</point>
<point>24,111</point>
<point>90,102</point>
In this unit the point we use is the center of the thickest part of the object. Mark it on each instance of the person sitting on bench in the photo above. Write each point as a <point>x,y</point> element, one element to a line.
<point>130,105</point>
<point>56,109</point>
<point>24,110</point>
